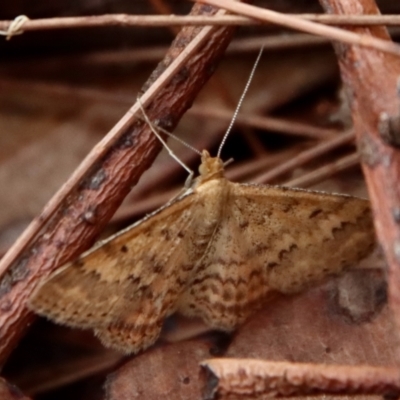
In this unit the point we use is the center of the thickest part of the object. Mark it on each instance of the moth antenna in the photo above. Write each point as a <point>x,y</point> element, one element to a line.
<point>164,143</point>
<point>246,88</point>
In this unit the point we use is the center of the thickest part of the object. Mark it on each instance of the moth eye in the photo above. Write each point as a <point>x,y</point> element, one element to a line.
<point>124,249</point>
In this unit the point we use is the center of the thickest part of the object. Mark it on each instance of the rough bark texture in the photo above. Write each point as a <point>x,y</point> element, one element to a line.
<point>370,78</point>
<point>242,378</point>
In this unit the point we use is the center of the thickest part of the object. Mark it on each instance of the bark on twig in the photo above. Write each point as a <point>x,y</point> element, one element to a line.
<point>82,207</point>
<point>370,78</point>
<point>247,377</point>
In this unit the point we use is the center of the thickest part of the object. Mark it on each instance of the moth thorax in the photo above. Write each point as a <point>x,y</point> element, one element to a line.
<point>210,167</point>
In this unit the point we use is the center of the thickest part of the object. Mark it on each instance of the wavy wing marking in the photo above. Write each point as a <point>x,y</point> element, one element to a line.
<point>299,236</point>
<point>275,239</point>
<point>125,287</point>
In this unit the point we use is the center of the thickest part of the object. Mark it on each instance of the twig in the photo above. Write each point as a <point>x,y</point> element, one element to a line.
<point>15,27</point>
<point>268,123</point>
<point>294,22</point>
<point>322,173</point>
<point>281,41</point>
<point>374,78</point>
<point>257,378</point>
<point>371,79</point>
<point>126,20</point>
<point>306,156</point>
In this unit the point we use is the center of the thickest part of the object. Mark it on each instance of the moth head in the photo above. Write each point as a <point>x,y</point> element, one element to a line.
<point>210,167</point>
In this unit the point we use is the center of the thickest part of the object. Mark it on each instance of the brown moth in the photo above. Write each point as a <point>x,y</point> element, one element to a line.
<point>217,251</point>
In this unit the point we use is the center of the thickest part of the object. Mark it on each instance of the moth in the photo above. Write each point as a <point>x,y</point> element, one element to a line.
<point>216,252</point>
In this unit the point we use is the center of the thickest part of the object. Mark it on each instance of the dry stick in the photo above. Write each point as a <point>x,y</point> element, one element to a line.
<point>99,151</point>
<point>325,171</point>
<point>371,81</point>
<point>243,171</point>
<point>294,22</point>
<point>306,156</point>
<point>87,201</point>
<point>269,379</point>
<point>281,41</point>
<point>126,20</point>
<point>268,123</point>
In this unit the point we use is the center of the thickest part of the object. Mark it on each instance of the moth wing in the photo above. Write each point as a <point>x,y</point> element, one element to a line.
<point>275,239</point>
<point>300,236</point>
<point>125,286</point>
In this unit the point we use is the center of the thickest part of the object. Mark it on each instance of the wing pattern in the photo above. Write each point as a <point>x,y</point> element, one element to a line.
<point>217,252</point>
<point>127,285</point>
<point>275,239</point>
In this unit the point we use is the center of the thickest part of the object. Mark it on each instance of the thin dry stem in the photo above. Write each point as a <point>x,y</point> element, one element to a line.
<point>306,156</point>
<point>126,20</point>
<point>326,171</point>
<point>268,123</point>
<point>294,22</point>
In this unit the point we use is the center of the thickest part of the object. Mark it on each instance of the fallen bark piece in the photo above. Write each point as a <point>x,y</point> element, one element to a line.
<point>251,377</point>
